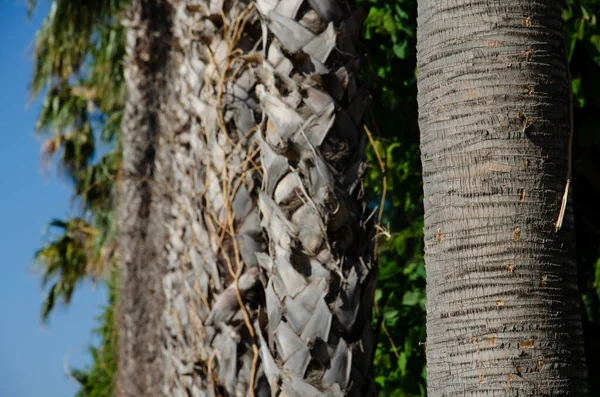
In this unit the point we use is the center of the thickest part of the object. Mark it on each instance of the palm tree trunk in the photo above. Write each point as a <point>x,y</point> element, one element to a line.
<point>264,155</point>
<point>503,311</point>
<point>271,125</point>
<point>316,335</point>
<point>212,287</point>
<point>142,205</point>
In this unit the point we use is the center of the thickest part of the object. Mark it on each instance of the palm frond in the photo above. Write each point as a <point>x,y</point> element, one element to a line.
<point>66,260</point>
<point>78,56</point>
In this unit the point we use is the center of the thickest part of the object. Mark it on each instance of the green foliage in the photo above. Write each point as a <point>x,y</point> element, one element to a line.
<point>97,380</point>
<point>393,22</point>
<point>66,260</point>
<point>78,67</point>
<point>582,36</point>
<point>400,298</point>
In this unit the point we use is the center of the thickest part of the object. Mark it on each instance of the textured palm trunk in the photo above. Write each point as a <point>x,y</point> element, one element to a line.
<point>214,228</point>
<point>142,203</point>
<point>315,335</point>
<point>503,311</point>
<point>267,273</point>
<point>266,114</point>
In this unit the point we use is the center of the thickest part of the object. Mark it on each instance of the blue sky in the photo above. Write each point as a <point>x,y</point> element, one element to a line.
<point>31,355</point>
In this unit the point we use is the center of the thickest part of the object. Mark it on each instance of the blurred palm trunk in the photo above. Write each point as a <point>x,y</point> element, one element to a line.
<point>142,203</point>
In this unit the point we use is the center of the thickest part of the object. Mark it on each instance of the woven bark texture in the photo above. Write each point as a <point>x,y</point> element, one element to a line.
<point>271,277</point>
<point>214,229</point>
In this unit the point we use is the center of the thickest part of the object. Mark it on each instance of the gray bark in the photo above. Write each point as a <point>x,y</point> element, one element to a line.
<point>267,134</point>
<point>503,307</point>
<point>316,336</point>
<point>213,227</point>
<point>264,253</point>
<point>142,203</point>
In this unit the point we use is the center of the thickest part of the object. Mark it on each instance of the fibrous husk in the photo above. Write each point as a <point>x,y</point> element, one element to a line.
<point>268,205</point>
<point>214,229</point>
<point>321,272</point>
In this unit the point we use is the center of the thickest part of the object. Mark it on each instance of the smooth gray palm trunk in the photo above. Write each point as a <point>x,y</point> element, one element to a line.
<point>503,311</point>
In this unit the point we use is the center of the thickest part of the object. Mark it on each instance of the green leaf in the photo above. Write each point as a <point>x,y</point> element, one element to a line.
<point>402,361</point>
<point>578,94</point>
<point>411,298</point>
<point>593,47</point>
<point>400,49</point>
